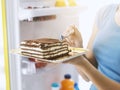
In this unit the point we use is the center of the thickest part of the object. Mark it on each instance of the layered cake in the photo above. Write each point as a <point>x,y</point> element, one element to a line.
<point>45,48</point>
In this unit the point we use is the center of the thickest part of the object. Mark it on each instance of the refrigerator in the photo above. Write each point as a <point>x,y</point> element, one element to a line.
<point>27,19</point>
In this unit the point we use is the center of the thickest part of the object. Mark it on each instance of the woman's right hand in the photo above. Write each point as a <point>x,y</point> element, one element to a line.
<point>73,37</point>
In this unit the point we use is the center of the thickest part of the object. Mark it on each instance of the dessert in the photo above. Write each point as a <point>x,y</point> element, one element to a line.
<point>44,48</point>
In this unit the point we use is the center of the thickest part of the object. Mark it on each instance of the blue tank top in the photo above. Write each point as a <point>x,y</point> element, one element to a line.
<point>106,47</point>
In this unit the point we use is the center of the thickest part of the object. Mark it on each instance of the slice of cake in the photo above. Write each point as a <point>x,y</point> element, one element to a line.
<point>45,48</point>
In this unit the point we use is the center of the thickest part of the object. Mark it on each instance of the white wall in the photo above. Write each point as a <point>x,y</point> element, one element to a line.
<point>87,17</point>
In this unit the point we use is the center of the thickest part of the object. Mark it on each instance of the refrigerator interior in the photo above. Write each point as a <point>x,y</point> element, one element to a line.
<point>53,29</point>
<point>42,78</point>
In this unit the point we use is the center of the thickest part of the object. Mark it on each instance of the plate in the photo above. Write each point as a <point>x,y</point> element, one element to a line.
<point>75,52</point>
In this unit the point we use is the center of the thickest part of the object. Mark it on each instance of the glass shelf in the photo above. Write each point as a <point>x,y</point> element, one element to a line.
<point>29,66</point>
<point>29,13</point>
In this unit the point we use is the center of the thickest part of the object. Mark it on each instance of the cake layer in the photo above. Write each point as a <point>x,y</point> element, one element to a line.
<point>44,48</point>
<point>52,56</point>
<point>42,43</point>
<point>44,53</point>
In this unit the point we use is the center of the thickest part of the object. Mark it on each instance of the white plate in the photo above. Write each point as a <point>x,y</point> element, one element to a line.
<point>75,52</point>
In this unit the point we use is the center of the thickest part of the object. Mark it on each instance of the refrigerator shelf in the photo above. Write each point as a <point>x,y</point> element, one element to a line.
<point>30,67</point>
<point>36,12</point>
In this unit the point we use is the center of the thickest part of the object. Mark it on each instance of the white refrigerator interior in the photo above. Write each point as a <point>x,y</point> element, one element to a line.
<point>41,79</point>
<point>21,26</point>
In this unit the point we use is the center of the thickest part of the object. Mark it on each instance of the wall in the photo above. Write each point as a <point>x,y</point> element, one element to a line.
<point>87,18</point>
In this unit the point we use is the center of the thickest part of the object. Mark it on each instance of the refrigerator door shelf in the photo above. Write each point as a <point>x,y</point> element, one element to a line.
<point>36,12</point>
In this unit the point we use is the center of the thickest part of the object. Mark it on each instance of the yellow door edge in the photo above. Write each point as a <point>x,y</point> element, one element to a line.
<point>5,42</point>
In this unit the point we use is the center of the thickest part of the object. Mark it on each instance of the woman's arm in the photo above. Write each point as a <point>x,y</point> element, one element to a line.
<point>87,65</point>
<point>99,80</point>
<point>73,37</point>
<point>73,33</point>
<point>89,55</point>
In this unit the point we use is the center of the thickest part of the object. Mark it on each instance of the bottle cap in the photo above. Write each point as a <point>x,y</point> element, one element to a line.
<point>67,76</point>
<point>55,84</point>
<point>75,84</point>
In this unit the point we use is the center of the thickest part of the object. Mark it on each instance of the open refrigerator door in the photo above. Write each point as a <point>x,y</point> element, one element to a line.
<point>28,19</point>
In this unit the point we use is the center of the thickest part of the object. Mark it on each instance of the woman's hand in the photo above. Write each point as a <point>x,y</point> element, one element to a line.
<point>38,64</point>
<point>73,37</point>
<point>79,62</point>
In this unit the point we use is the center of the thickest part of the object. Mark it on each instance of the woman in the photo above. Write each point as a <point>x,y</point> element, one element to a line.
<point>101,64</point>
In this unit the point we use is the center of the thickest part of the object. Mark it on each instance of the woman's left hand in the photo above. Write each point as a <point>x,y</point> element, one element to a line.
<point>38,64</point>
